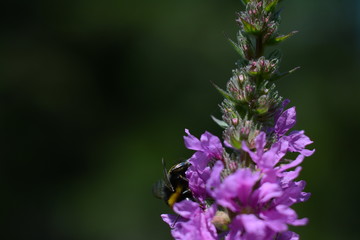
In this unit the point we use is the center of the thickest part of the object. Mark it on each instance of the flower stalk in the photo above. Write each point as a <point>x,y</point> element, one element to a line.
<point>243,187</point>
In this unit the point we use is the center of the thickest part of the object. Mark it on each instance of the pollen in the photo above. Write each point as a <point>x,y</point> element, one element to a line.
<point>175,196</point>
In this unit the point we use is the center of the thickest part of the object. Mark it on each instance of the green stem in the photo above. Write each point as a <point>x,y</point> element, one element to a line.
<point>259,46</point>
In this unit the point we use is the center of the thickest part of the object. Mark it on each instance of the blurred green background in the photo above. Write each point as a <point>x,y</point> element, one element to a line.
<point>94,93</point>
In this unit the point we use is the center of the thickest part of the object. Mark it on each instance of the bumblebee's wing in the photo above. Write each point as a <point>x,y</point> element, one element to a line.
<point>166,177</point>
<point>158,189</point>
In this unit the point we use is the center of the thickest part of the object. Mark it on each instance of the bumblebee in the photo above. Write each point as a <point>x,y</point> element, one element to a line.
<point>174,187</point>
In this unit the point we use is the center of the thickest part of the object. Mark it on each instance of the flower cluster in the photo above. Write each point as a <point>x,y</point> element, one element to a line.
<point>243,187</point>
<point>235,202</point>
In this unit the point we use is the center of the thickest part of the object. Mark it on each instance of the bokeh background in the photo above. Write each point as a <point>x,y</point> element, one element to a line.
<point>94,93</point>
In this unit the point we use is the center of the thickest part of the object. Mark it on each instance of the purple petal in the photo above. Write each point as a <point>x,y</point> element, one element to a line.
<point>283,105</point>
<point>291,216</point>
<point>199,160</point>
<point>208,228</point>
<point>236,189</point>
<point>199,226</point>
<point>197,181</point>
<point>270,175</point>
<point>186,208</point>
<point>236,229</point>
<point>260,142</point>
<point>268,191</point>
<point>169,219</point>
<point>278,218</point>
<point>273,156</point>
<point>253,156</point>
<point>192,142</point>
<point>211,145</point>
<point>208,144</point>
<point>275,221</point>
<point>293,194</point>
<point>298,141</point>
<point>243,180</point>
<point>290,176</point>
<point>288,235</point>
<point>214,180</point>
<point>228,145</point>
<point>253,225</point>
<point>292,164</point>
<point>300,222</point>
<point>286,121</point>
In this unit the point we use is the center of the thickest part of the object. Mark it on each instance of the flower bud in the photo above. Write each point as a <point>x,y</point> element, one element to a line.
<point>221,220</point>
<point>235,121</point>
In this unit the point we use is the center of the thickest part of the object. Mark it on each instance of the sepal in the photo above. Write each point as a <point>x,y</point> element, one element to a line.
<point>248,27</point>
<point>280,38</point>
<point>271,6</point>
<point>219,122</point>
<point>225,94</point>
<point>284,74</point>
<point>237,48</point>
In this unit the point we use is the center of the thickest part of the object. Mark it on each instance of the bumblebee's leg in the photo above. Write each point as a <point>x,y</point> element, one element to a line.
<point>186,192</point>
<point>183,178</point>
<point>176,219</point>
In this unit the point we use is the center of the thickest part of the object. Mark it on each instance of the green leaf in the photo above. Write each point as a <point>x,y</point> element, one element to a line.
<point>281,38</point>
<point>224,93</point>
<point>282,75</point>
<point>262,110</point>
<point>248,27</point>
<point>276,16</point>
<point>276,54</point>
<point>220,122</point>
<point>235,143</point>
<point>284,37</point>
<point>237,48</point>
<point>271,6</point>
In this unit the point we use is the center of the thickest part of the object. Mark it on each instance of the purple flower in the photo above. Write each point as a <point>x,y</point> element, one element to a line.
<point>268,159</point>
<point>258,214</point>
<point>192,222</point>
<point>197,179</point>
<point>285,121</point>
<point>209,145</point>
<point>207,148</point>
<point>281,109</point>
<point>296,140</point>
<point>248,227</point>
<point>293,193</point>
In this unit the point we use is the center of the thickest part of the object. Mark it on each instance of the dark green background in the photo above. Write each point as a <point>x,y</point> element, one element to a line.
<point>94,93</point>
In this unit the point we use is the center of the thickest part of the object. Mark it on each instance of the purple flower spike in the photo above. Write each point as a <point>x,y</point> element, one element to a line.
<point>243,186</point>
